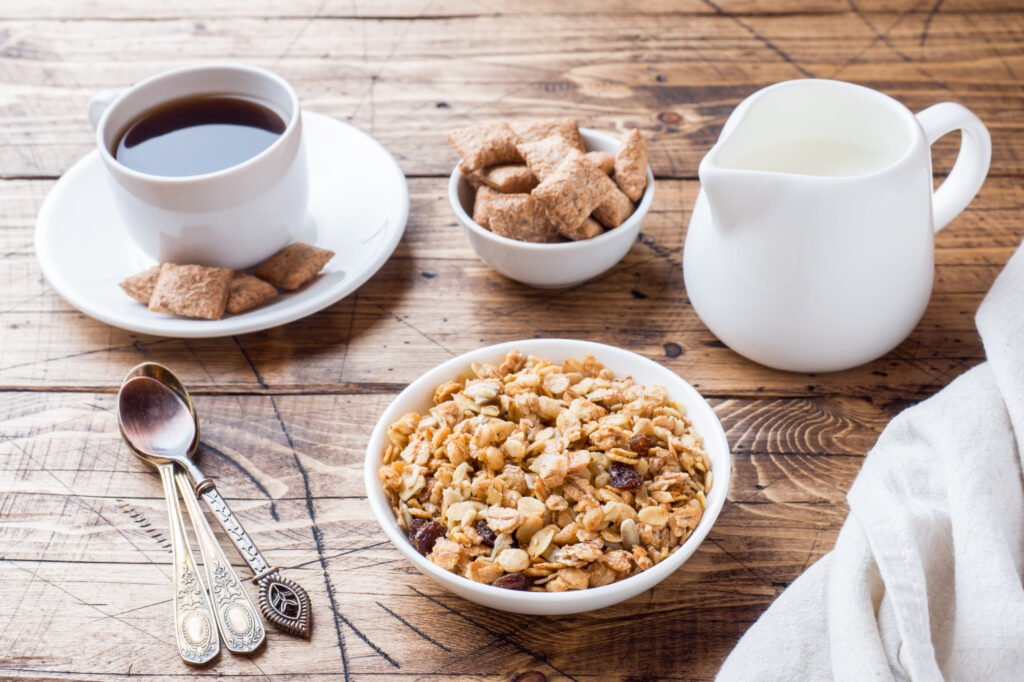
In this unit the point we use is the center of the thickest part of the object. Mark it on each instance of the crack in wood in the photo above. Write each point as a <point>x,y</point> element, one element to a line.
<point>500,636</point>
<point>207,448</point>
<point>318,541</point>
<point>252,365</point>
<point>415,629</point>
<point>928,20</point>
<point>339,617</point>
<point>138,517</point>
<point>765,41</point>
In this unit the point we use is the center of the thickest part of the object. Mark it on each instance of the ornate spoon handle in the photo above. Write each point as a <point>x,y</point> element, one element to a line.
<point>194,626</point>
<point>237,618</point>
<point>282,601</point>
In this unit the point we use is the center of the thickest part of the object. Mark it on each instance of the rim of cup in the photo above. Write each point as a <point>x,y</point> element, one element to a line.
<point>293,122</point>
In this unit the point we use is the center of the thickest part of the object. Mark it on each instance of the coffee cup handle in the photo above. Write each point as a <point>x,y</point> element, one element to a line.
<point>971,167</point>
<point>98,104</point>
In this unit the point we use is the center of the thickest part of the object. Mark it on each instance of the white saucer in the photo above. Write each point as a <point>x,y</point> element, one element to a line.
<point>358,204</point>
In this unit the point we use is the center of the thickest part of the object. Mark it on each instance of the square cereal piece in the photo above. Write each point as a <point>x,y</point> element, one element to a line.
<point>516,216</point>
<point>472,177</point>
<point>509,178</point>
<point>588,229</point>
<point>486,145</point>
<point>482,206</point>
<point>246,292</point>
<point>615,209</point>
<point>543,156</point>
<point>570,194</point>
<point>531,131</point>
<point>293,266</point>
<point>140,286</point>
<point>631,165</point>
<point>603,160</point>
<point>191,291</point>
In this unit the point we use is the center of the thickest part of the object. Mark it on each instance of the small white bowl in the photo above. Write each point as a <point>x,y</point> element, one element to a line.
<point>418,397</point>
<point>551,266</point>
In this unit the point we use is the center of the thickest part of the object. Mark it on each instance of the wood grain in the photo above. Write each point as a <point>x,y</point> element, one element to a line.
<point>678,85</point>
<point>362,343</point>
<point>84,554</point>
<point>90,540</point>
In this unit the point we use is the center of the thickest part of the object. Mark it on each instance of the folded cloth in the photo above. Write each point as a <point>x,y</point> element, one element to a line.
<point>924,582</point>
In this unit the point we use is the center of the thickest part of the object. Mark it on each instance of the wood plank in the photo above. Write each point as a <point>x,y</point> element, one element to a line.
<point>409,86</point>
<point>83,535</point>
<point>137,10</point>
<point>415,303</point>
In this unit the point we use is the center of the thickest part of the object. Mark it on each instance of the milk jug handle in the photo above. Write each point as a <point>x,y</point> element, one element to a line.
<point>972,162</point>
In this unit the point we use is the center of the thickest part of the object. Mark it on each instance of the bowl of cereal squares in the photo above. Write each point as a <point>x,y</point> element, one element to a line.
<point>547,203</point>
<point>548,476</point>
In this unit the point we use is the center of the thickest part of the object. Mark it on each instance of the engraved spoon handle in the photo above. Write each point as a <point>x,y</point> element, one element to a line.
<point>237,618</point>
<point>283,602</point>
<point>194,626</point>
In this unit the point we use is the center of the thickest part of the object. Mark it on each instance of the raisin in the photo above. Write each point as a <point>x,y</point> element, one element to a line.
<point>423,534</point>
<point>512,581</point>
<point>486,534</point>
<point>641,444</point>
<point>624,477</point>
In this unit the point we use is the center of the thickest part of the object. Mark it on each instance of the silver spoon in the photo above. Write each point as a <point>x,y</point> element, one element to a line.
<point>283,602</point>
<point>159,427</point>
<point>151,429</point>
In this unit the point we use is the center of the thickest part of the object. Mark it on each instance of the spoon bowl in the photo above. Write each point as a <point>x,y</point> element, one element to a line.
<point>157,418</point>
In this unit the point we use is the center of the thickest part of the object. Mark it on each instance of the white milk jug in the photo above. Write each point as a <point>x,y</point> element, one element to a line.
<point>810,247</point>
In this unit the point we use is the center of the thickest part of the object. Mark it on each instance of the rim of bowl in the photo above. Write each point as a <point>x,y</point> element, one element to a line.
<point>639,582</point>
<point>609,235</point>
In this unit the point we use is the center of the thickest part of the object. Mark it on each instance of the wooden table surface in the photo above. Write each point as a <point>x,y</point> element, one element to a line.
<point>84,550</point>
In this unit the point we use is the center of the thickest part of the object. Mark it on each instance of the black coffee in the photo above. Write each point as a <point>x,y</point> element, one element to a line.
<point>196,135</point>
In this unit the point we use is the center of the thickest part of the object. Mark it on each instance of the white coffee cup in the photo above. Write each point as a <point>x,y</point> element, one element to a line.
<point>233,218</point>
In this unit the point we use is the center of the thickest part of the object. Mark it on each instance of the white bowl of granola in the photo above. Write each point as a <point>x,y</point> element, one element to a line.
<point>548,476</point>
<point>556,265</point>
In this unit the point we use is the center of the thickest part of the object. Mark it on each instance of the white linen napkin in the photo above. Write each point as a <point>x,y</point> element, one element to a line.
<point>924,582</point>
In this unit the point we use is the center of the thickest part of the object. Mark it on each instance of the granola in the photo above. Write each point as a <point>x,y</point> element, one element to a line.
<point>546,477</point>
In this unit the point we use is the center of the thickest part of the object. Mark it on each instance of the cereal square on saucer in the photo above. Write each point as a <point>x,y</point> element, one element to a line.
<point>571,193</point>
<point>485,145</point>
<point>191,291</point>
<point>517,216</point>
<point>631,165</point>
<point>140,286</point>
<point>246,292</point>
<point>293,266</point>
